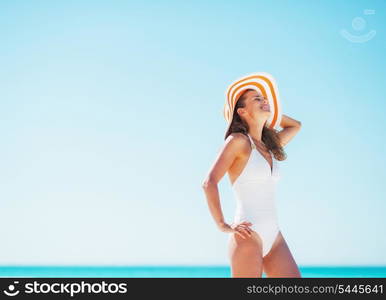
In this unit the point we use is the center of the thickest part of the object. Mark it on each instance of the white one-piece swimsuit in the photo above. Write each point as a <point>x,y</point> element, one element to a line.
<point>254,191</point>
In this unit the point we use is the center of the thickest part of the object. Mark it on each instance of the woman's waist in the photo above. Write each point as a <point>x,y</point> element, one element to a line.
<point>254,185</point>
<point>261,206</point>
<point>256,216</point>
<point>244,182</point>
<point>255,195</point>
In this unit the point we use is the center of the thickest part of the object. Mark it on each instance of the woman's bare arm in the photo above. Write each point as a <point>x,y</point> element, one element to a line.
<point>290,128</point>
<point>232,148</point>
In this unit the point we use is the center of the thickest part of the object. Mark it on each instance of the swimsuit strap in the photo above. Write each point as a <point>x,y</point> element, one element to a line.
<point>252,143</point>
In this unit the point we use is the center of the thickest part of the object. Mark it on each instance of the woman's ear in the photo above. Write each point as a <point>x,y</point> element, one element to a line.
<point>241,111</point>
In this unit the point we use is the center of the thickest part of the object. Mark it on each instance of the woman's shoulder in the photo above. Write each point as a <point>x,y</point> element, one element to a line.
<point>237,137</point>
<point>238,141</point>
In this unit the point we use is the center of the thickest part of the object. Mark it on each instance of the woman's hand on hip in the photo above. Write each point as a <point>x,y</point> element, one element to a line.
<point>241,228</point>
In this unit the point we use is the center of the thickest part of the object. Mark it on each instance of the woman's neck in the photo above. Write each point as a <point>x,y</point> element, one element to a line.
<point>256,131</point>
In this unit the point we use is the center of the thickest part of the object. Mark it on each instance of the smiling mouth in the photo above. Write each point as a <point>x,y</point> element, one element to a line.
<point>265,107</point>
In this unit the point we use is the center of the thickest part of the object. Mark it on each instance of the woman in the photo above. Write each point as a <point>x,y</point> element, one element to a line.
<point>256,244</point>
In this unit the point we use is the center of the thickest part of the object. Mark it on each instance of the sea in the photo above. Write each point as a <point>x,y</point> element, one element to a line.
<point>179,271</point>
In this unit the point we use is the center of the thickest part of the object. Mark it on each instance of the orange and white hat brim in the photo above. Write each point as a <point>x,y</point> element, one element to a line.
<point>262,82</point>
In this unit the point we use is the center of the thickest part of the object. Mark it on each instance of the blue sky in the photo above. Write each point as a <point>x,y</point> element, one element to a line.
<point>111,115</point>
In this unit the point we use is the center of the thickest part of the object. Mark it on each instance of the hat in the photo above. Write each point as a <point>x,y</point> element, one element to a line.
<point>262,82</point>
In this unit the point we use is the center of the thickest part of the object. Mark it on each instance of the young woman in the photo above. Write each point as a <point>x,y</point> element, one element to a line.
<point>256,244</point>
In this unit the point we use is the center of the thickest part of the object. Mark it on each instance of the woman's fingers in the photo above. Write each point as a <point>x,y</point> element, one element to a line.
<point>247,229</point>
<point>240,234</point>
<point>246,223</point>
<point>242,229</point>
<point>243,232</point>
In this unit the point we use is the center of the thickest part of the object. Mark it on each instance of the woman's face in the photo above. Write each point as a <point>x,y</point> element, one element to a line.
<point>256,105</point>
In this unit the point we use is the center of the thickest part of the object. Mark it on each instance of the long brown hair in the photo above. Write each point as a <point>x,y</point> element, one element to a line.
<point>269,136</point>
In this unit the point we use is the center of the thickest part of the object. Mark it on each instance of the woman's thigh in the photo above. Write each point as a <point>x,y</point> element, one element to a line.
<point>279,262</point>
<point>245,255</point>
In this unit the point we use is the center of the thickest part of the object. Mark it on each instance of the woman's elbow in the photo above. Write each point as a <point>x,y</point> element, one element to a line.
<point>208,182</point>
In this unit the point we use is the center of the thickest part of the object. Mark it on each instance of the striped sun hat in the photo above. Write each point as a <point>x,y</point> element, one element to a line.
<point>262,82</point>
